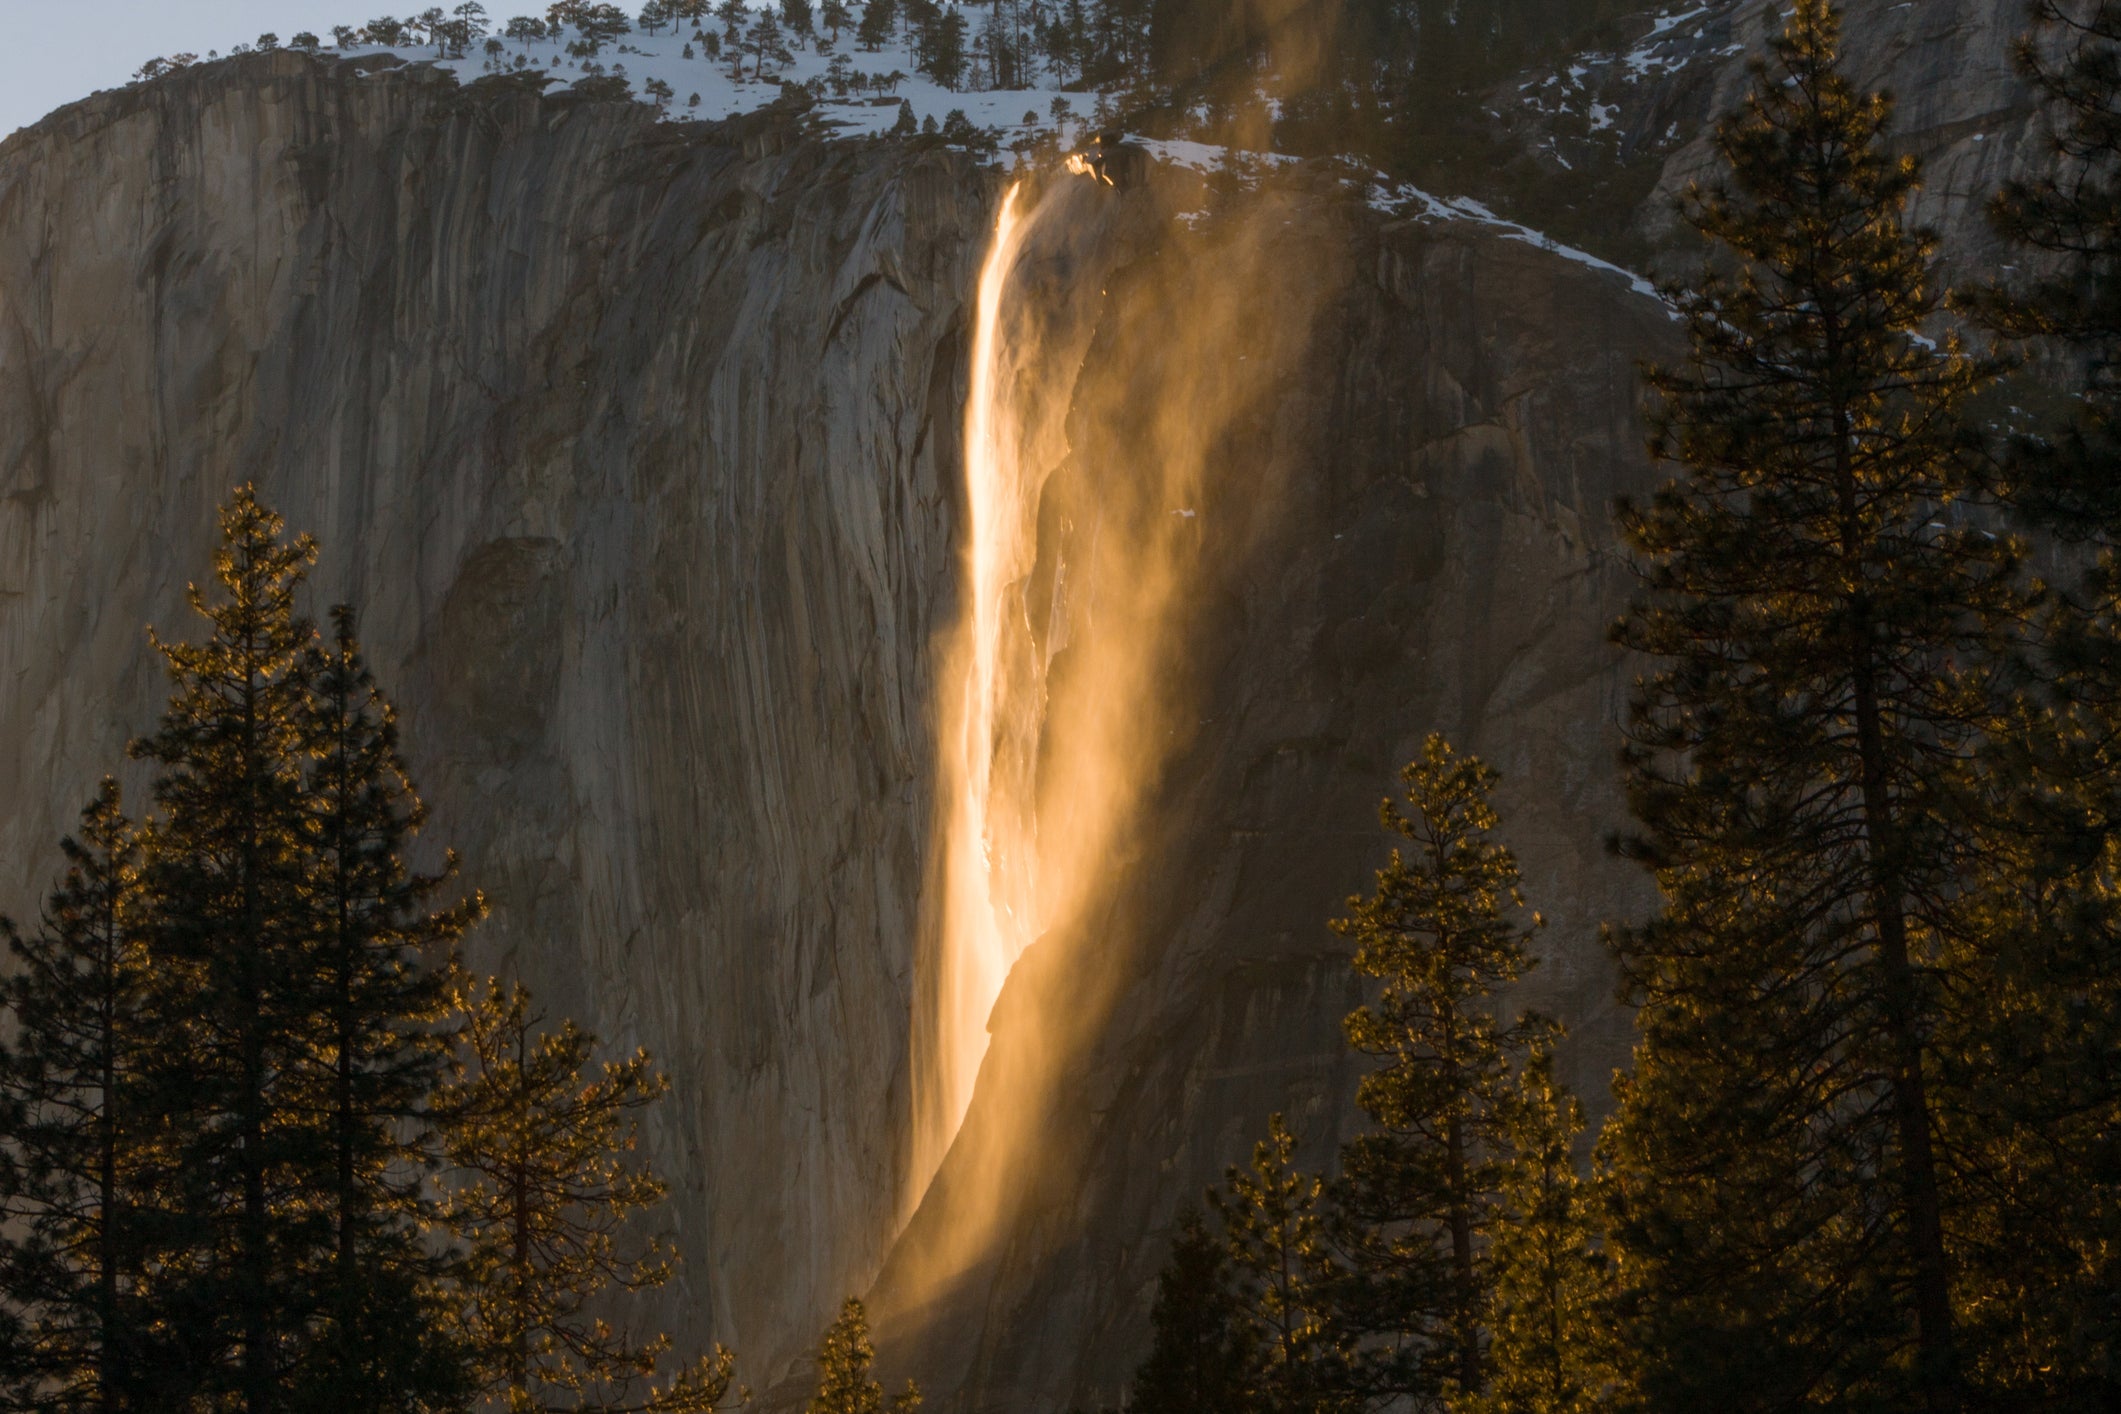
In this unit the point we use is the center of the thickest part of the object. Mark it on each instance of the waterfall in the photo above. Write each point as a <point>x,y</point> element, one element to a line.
<point>1095,418</point>
<point>989,723</point>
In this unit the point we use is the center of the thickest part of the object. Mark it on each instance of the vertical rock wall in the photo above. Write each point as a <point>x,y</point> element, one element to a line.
<point>635,446</point>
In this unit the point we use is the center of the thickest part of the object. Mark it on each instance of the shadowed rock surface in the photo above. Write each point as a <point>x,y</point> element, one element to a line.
<point>1629,126</point>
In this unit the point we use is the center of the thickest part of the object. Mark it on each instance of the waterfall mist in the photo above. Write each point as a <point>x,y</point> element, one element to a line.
<point>1109,385</point>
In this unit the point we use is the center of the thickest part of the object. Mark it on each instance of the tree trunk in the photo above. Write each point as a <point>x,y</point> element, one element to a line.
<point>110,1339</point>
<point>1464,1317</point>
<point>251,1262</point>
<point>1939,1374</point>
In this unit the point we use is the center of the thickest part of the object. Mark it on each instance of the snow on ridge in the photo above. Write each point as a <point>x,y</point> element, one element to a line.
<point>1644,57</point>
<point>1667,23</point>
<point>1205,157</point>
<point>1468,209</point>
<point>641,59</point>
<point>1397,197</point>
<point>1392,198</point>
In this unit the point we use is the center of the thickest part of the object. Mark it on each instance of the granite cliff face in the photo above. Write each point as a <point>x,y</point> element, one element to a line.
<point>635,450</point>
<point>637,445</point>
<point>1641,112</point>
<point>1958,103</point>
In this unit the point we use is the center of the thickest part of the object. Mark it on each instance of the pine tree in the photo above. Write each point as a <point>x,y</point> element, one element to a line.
<point>879,18</point>
<point>1546,1352</point>
<point>80,1142</point>
<point>224,883</point>
<point>2069,219</point>
<point>542,1195</point>
<point>1202,1352</point>
<point>939,46</point>
<point>383,966</point>
<point>1418,1192</point>
<point>844,1384</point>
<point>1826,623</point>
<point>732,14</point>
<point>2042,1285</point>
<point>1274,1226</point>
<point>763,42</point>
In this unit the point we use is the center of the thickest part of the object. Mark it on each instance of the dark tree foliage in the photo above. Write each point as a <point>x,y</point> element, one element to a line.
<point>2048,1290</point>
<point>1418,1194</point>
<point>1454,1262</point>
<point>543,1190</point>
<point>939,35</point>
<point>1283,1275</point>
<point>2069,217</point>
<point>1798,1151</point>
<point>81,1137</point>
<point>383,967</point>
<point>225,891</point>
<point>227,1081</point>
<point>879,18</point>
<point>1202,1351</point>
<point>1549,1352</point>
<point>844,1382</point>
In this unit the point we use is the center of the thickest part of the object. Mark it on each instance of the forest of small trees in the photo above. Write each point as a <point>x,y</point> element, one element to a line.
<point>1396,83</point>
<point>1868,1153</point>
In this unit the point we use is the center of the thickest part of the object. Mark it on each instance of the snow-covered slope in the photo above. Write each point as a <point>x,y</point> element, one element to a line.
<point>859,91</point>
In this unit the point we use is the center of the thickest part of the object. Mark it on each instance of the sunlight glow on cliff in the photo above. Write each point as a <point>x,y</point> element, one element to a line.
<point>1083,534</point>
<point>989,884</point>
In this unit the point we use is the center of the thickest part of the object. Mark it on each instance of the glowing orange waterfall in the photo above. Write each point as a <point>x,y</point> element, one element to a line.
<point>989,888</point>
<point>1055,700</point>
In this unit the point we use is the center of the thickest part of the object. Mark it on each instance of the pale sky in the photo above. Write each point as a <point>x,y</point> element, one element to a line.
<point>56,51</point>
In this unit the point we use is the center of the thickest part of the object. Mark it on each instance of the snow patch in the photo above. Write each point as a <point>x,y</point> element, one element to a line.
<point>643,60</point>
<point>1667,23</point>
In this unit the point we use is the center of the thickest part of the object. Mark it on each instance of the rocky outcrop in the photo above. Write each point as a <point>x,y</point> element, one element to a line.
<point>1641,112</point>
<point>1959,104</point>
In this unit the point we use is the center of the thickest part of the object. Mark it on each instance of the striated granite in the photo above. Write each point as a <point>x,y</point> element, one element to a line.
<point>637,444</point>
<point>1641,112</point>
<point>1958,102</point>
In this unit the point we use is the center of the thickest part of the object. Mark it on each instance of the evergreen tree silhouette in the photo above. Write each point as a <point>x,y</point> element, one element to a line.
<point>541,1196</point>
<point>1418,1192</point>
<point>2042,1284</point>
<point>1202,1354</point>
<point>81,1140</point>
<point>383,966</point>
<point>1828,628</point>
<point>224,887</point>
<point>2069,218</point>
<point>1274,1222</point>
<point>1548,1348</point>
<point>844,1384</point>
